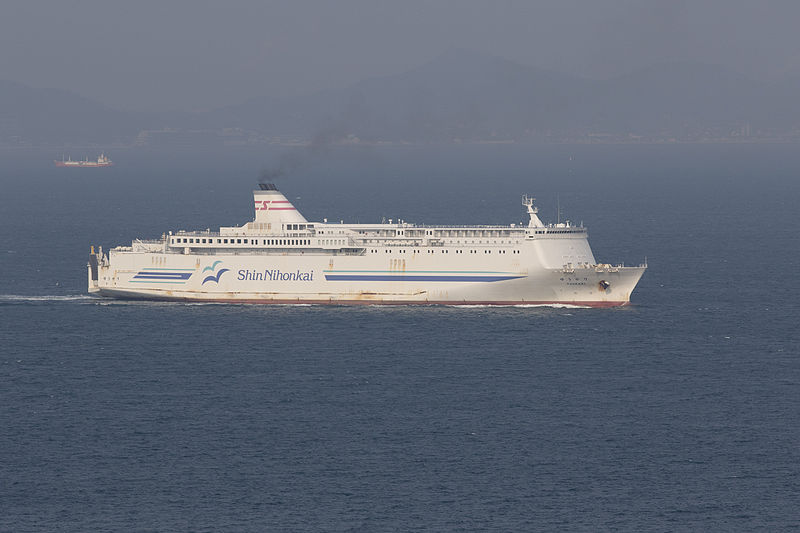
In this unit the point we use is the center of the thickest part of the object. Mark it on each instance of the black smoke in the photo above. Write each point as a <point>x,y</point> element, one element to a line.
<point>291,161</point>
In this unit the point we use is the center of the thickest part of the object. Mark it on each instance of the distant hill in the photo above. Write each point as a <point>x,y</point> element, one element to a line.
<point>460,95</point>
<point>469,96</point>
<point>30,115</point>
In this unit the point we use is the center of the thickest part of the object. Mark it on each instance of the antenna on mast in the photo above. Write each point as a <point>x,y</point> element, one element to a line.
<point>558,209</point>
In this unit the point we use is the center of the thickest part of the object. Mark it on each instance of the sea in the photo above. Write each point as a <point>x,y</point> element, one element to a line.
<point>680,412</point>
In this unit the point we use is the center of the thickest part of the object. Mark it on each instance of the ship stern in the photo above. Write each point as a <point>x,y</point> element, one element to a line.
<point>93,267</point>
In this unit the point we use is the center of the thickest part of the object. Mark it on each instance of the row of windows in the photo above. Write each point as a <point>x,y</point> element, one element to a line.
<point>451,242</point>
<point>306,242</point>
<point>468,233</point>
<point>443,251</point>
<point>200,240</point>
<point>252,242</point>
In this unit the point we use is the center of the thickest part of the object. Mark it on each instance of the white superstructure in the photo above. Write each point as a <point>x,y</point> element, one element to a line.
<point>280,257</point>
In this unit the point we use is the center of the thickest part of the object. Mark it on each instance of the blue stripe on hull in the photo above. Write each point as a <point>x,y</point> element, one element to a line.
<point>153,281</point>
<point>163,275</point>
<point>159,269</point>
<point>462,279</point>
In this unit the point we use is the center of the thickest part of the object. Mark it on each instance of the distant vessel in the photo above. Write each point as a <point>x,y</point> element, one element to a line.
<point>102,161</point>
<point>279,257</point>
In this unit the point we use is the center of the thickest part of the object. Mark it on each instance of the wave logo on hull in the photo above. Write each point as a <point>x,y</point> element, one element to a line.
<point>215,274</point>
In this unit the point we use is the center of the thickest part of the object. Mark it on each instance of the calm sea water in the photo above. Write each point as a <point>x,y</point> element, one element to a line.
<point>679,412</point>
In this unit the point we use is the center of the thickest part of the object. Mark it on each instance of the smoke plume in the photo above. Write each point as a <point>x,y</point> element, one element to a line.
<point>295,159</point>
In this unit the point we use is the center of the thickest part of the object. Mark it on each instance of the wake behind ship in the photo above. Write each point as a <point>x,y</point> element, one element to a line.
<point>281,258</point>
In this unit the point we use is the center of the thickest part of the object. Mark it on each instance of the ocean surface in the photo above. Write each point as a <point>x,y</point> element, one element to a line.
<point>680,412</point>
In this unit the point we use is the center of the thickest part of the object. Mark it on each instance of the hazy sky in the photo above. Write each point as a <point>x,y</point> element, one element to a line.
<point>190,54</point>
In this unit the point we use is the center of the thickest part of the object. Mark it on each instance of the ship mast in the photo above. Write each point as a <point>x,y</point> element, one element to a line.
<point>534,221</point>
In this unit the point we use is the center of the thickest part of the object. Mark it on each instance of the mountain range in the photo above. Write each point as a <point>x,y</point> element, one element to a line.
<point>459,96</point>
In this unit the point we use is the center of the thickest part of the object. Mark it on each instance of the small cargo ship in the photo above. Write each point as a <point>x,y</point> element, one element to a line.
<point>102,161</point>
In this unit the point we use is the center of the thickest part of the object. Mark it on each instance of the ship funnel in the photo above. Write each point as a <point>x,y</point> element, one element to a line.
<point>273,209</point>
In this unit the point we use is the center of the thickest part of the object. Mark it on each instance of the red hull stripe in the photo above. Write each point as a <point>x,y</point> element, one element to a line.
<point>84,165</point>
<point>377,302</point>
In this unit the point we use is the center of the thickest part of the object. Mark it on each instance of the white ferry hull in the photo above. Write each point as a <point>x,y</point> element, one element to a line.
<point>288,279</point>
<point>281,258</point>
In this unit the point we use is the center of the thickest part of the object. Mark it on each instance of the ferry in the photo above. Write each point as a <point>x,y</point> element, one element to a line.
<point>102,161</point>
<point>281,258</point>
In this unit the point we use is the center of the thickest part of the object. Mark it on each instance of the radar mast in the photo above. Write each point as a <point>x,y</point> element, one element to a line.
<point>534,221</point>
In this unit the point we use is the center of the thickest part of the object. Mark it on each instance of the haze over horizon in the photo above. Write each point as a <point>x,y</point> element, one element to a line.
<point>188,56</point>
<point>390,340</point>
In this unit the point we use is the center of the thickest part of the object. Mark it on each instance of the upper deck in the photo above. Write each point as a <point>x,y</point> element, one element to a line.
<point>279,228</point>
<point>354,239</point>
